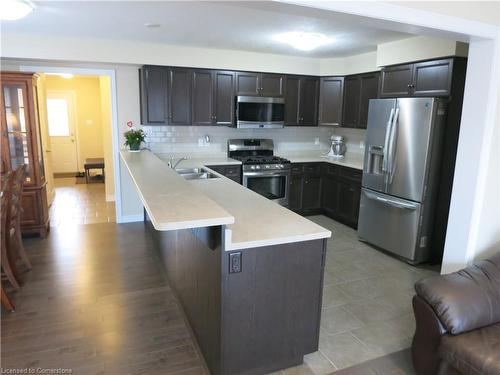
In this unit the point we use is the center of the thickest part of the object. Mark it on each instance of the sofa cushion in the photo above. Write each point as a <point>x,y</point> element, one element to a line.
<point>474,352</point>
<point>467,299</point>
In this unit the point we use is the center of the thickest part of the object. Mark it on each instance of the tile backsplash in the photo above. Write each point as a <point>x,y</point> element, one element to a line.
<point>191,139</point>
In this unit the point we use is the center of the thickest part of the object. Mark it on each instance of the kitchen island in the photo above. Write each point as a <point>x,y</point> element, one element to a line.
<point>247,271</point>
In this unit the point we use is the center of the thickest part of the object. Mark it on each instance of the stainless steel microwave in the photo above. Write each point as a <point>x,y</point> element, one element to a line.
<point>259,112</point>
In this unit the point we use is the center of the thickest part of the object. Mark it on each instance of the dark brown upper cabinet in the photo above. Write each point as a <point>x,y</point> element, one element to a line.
<point>213,97</point>
<point>203,103</point>
<point>179,94</point>
<point>358,90</point>
<point>260,84</point>
<point>154,98</point>
<point>428,78</point>
<point>301,101</point>
<point>331,95</point>
<point>223,98</point>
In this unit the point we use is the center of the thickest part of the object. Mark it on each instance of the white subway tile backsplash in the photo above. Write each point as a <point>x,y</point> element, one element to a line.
<point>164,139</point>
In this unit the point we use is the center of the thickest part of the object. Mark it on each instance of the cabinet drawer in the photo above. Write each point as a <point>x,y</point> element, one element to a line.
<point>330,169</point>
<point>351,174</point>
<point>312,168</point>
<point>297,168</point>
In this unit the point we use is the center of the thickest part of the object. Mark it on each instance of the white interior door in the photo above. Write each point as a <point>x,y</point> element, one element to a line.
<point>62,131</point>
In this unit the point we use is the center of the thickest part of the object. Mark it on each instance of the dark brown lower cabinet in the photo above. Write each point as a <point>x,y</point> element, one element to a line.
<point>326,188</point>
<point>233,172</point>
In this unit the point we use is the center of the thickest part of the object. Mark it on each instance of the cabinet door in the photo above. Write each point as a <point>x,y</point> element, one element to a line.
<point>202,99</point>
<point>352,90</point>
<point>224,98</point>
<point>272,85</point>
<point>180,97</point>
<point>311,198</point>
<point>396,81</point>
<point>308,106</point>
<point>292,97</point>
<point>369,90</point>
<point>295,193</point>
<point>329,194</point>
<point>432,78</point>
<point>348,203</point>
<point>330,100</point>
<point>247,84</point>
<point>154,83</point>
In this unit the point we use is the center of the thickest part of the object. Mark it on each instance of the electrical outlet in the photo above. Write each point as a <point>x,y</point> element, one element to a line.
<point>200,142</point>
<point>362,144</point>
<point>316,141</point>
<point>235,262</point>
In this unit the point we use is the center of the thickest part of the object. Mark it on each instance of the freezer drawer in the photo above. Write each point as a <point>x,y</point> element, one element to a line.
<point>391,224</point>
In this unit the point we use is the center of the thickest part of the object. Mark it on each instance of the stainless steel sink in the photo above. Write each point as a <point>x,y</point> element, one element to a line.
<point>196,173</point>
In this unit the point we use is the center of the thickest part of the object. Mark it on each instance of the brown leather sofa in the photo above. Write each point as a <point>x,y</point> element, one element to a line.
<point>458,321</point>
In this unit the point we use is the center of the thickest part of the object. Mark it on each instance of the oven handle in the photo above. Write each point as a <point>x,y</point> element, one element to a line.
<point>265,174</point>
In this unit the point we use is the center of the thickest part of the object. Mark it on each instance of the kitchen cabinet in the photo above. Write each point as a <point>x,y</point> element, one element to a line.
<point>348,197</point>
<point>311,196</point>
<point>301,101</point>
<point>295,192</point>
<point>213,97</point>
<point>358,90</point>
<point>427,78</point>
<point>305,188</point>
<point>233,172</point>
<point>331,95</point>
<point>179,95</point>
<point>260,84</point>
<point>21,144</point>
<point>153,95</point>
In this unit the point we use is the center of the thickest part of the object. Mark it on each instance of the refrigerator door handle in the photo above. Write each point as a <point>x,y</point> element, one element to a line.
<point>394,131</point>
<point>386,141</point>
<point>390,202</point>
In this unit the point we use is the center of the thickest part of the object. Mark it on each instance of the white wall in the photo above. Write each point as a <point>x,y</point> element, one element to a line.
<point>362,63</point>
<point>418,48</point>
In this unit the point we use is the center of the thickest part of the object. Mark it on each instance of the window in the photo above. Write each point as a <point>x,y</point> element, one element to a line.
<point>58,116</point>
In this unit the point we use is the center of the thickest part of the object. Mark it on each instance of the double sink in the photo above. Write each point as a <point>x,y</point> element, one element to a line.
<point>196,173</point>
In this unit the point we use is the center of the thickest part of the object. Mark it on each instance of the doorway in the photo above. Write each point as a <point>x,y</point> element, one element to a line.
<point>76,126</point>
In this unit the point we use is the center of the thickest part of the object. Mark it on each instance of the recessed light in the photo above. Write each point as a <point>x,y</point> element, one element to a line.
<point>152,25</point>
<point>303,41</point>
<point>11,10</point>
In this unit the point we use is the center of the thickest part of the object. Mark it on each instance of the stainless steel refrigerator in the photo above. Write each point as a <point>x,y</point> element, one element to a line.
<point>401,166</point>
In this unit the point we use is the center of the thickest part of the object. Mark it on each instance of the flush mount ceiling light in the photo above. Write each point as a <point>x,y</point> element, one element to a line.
<point>11,10</point>
<point>303,41</point>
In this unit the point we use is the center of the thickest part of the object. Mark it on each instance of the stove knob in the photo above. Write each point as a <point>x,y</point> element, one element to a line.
<point>281,166</point>
<point>268,166</point>
<point>252,167</point>
<point>257,167</point>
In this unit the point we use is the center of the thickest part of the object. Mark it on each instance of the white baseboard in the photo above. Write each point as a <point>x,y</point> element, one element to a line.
<point>130,219</point>
<point>110,197</point>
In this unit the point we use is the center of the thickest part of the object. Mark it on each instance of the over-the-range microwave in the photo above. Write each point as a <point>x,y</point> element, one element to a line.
<point>259,112</point>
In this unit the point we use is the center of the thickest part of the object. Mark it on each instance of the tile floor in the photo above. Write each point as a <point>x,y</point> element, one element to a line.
<point>367,309</point>
<point>80,204</point>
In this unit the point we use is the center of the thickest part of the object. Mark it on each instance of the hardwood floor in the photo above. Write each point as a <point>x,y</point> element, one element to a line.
<point>97,302</point>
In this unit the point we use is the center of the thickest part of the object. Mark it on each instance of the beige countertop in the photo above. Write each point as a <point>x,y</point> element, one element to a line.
<point>171,202</point>
<point>351,160</point>
<point>175,203</point>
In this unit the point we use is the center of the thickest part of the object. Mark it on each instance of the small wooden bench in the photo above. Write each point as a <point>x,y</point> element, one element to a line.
<point>93,163</point>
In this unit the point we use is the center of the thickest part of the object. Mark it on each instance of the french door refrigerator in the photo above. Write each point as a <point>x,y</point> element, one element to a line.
<point>400,173</point>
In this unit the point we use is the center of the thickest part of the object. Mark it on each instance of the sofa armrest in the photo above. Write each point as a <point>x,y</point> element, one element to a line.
<point>427,338</point>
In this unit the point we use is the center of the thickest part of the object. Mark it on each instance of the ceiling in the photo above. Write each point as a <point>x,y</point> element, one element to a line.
<point>238,25</point>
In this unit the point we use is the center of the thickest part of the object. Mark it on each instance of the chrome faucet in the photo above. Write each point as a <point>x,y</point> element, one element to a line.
<point>173,165</point>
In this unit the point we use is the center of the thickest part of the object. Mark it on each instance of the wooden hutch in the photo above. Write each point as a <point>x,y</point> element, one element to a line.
<point>21,143</point>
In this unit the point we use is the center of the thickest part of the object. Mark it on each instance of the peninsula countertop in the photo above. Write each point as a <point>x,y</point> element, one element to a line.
<point>251,220</point>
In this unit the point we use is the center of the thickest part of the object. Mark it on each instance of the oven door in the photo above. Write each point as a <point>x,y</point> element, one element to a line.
<point>272,185</point>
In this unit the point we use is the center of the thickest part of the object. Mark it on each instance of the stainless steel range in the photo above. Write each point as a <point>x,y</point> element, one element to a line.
<point>263,172</point>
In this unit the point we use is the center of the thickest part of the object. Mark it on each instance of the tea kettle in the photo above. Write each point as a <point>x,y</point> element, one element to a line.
<point>338,147</point>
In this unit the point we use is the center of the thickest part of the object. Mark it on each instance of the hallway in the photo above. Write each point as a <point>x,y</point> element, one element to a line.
<point>80,203</point>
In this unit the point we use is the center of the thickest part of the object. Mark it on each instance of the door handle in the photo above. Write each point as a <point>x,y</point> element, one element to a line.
<point>390,160</point>
<point>390,202</point>
<point>386,140</point>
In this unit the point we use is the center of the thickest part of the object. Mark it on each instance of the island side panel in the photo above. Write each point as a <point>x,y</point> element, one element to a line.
<point>271,309</point>
<point>191,259</point>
